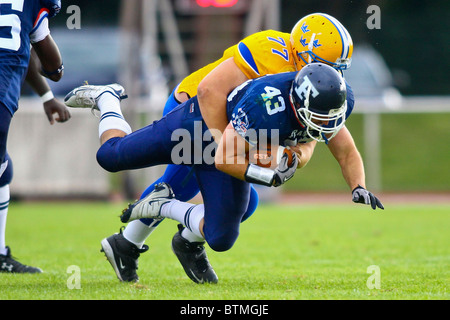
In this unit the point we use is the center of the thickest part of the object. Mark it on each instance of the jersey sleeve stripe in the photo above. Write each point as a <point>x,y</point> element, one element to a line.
<point>41,16</point>
<point>246,55</point>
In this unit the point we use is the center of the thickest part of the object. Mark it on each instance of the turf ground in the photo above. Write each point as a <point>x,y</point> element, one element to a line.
<point>284,252</point>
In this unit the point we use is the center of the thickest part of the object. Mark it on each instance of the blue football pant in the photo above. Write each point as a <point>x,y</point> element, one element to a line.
<point>226,199</point>
<point>5,121</point>
<point>182,179</point>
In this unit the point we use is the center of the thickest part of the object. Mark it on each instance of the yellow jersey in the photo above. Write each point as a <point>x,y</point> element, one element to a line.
<point>262,53</point>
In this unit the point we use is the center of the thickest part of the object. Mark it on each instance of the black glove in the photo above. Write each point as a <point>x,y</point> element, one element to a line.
<point>284,171</point>
<point>361,195</point>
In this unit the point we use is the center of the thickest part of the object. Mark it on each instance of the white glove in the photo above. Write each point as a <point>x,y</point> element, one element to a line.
<point>284,171</point>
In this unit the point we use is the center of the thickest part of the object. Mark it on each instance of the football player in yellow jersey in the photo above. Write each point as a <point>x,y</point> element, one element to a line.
<point>317,37</point>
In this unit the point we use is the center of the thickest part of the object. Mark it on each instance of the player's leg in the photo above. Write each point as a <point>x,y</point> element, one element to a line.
<point>185,188</point>
<point>135,234</point>
<point>217,221</point>
<point>252,204</point>
<point>106,99</point>
<point>7,263</point>
<point>226,200</point>
<point>179,177</point>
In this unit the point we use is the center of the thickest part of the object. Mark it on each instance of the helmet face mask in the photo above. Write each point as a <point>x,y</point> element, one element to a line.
<point>318,97</point>
<point>319,37</point>
<point>322,127</point>
<point>310,57</point>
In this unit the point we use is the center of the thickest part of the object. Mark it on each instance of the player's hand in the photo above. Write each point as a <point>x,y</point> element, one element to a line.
<point>361,195</point>
<point>54,106</point>
<point>284,171</point>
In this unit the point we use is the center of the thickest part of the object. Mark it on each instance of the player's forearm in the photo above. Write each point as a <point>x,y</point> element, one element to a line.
<point>237,170</point>
<point>344,150</point>
<point>34,78</point>
<point>50,58</point>
<point>353,170</point>
<point>231,152</point>
<point>304,152</point>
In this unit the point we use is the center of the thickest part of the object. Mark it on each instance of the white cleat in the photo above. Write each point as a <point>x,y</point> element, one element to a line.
<point>150,206</point>
<point>87,96</point>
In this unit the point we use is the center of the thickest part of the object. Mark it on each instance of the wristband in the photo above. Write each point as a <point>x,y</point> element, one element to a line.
<point>57,71</point>
<point>47,96</point>
<point>259,175</point>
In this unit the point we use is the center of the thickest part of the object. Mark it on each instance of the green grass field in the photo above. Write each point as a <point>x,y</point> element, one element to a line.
<point>283,253</point>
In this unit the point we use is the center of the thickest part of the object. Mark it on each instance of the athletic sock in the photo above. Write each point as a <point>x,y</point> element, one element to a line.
<point>137,232</point>
<point>111,116</point>
<point>4,203</point>
<point>188,214</point>
<point>190,236</point>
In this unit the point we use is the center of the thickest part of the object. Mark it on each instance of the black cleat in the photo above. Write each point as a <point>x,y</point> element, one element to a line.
<point>192,256</point>
<point>10,265</point>
<point>123,256</point>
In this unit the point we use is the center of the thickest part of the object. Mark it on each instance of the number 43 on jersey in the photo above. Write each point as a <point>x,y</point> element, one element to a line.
<point>274,101</point>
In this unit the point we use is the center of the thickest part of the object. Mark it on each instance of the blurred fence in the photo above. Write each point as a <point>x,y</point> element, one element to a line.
<point>59,160</point>
<point>372,127</point>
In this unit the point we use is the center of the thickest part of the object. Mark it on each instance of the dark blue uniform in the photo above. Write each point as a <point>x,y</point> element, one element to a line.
<point>19,19</point>
<point>181,137</point>
<point>264,107</point>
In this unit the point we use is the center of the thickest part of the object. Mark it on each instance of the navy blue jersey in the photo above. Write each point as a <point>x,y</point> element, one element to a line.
<point>260,109</point>
<point>18,19</point>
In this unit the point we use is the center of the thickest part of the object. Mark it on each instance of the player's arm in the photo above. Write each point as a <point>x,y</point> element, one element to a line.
<point>39,85</point>
<point>212,94</point>
<point>304,152</point>
<point>343,148</point>
<point>50,60</point>
<point>231,158</point>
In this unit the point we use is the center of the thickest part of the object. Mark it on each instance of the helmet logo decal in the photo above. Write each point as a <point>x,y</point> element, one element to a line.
<point>304,27</point>
<point>303,42</point>
<point>313,43</point>
<point>305,90</point>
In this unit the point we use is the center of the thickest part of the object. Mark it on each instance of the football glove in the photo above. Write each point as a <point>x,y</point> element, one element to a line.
<point>361,195</point>
<point>284,171</point>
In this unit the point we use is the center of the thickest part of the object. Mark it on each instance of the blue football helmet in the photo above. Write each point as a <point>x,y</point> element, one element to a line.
<point>319,98</point>
<point>54,6</point>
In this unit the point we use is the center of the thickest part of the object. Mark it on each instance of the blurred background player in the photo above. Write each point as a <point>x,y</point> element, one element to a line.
<point>306,107</point>
<point>316,37</point>
<point>28,22</point>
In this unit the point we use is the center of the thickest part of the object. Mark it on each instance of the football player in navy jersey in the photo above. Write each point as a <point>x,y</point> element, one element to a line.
<point>28,27</point>
<point>287,109</point>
